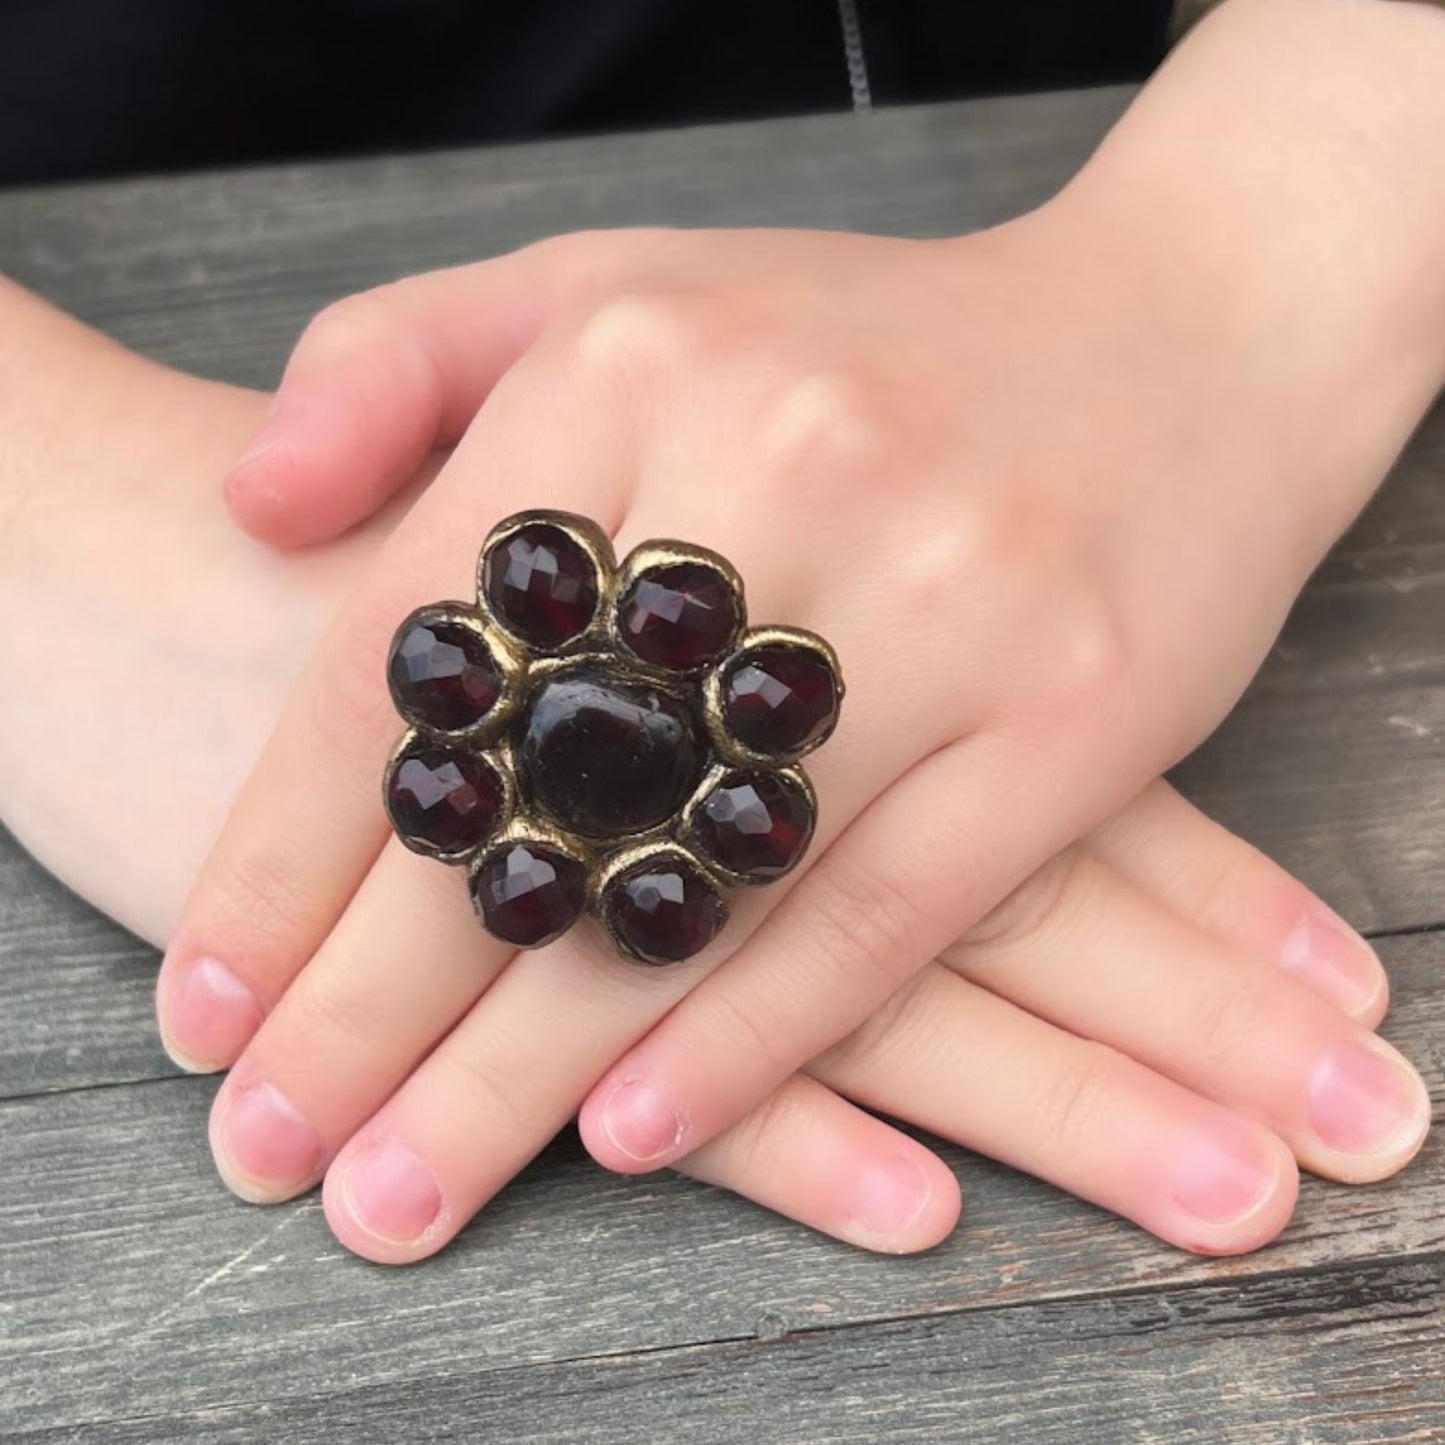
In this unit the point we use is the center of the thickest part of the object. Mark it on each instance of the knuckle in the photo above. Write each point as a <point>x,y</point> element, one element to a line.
<point>321,1008</point>
<point>903,1019</point>
<point>636,332</point>
<point>1036,907</point>
<point>1074,1104</point>
<point>750,1028</point>
<point>1078,655</point>
<point>1224,1026</point>
<point>768,1131</point>
<point>363,317</point>
<point>258,889</point>
<point>480,1079</point>
<point>860,920</point>
<point>822,432</point>
<point>1214,893</point>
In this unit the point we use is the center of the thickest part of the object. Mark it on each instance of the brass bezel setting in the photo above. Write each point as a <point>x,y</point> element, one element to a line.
<point>510,664</point>
<point>714,713</point>
<point>597,546</point>
<point>411,738</point>
<point>664,552</point>
<point>638,854</point>
<point>524,665</point>
<point>690,835</point>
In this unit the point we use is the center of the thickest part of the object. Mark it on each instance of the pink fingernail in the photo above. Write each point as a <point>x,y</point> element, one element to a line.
<point>265,1137</point>
<point>249,472</point>
<point>1367,1100</point>
<point>640,1122</point>
<point>1220,1174</point>
<point>390,1192</point>
<point>209,1016</point>
<point>1327,955</point>
<point>888,1196</point>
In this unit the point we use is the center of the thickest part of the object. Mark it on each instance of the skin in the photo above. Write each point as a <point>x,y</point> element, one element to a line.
<point>1067,574</point>
<point>956,1057</point>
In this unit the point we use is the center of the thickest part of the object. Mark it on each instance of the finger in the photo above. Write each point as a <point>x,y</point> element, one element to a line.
<point>969,1066</point>
<point>382,377</point>
<point>308,822</point>
<point>901,883</point>
<point>1211,877</point>
<point>810,1155</point>
<point>509,1076</point>
<point>403,964</point>
<point>1099,957</point>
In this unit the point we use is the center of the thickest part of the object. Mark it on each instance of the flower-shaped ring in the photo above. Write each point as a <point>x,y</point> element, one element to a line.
<point>590,736</point>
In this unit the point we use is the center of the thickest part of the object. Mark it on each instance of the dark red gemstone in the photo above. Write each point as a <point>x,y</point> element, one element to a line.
<point>664,910</point>
<point>450,800</point>
<point>679,616</point>
<point>606,757</point>
<point>442,674</point>
<point>541,584</point>
<point>527,894</point>
<point>779,698</point>
<point>756,824</point>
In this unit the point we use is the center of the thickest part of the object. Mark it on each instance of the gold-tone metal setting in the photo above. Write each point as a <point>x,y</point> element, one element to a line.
<point>715,714</point>
<point>511,665</point>
<point>414,737</point>
<point>657,847</point>
<point>690,836</point>
<point>524,666</point>
<point>653,556</point>
<point>597,546</point>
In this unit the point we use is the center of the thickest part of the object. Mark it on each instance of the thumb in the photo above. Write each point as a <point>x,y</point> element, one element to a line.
<point>381,378</point>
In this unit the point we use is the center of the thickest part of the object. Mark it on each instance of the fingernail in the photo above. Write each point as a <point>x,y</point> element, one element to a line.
<point>1221,1174</point>
<point>1327,955</point>
<point>390,1192</point>
<point>208,1017</point>
<point>887,1197</point>
<point>640,1122</point>
<point>249,471</point>
<point>1367,1100</point>
<point>264,1137</point>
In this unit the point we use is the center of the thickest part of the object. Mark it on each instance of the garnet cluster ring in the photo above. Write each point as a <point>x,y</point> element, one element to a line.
<point>605,738</point>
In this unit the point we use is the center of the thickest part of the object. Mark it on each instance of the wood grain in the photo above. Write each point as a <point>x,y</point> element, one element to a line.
<point>139,1301</point>
<point>217,272</point>
<point>1222,1363</point>
<point>131,1275</point>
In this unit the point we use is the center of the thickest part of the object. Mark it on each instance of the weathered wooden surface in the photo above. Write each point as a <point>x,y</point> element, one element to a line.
<point>138,1301</point>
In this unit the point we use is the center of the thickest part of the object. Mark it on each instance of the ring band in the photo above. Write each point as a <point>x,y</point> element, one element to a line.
<point>589,737</point>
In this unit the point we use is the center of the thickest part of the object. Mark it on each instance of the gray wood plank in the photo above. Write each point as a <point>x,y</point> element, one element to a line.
<point>217,272</point>
<point>134,1287</point>
<point>134,1283</point>
<point>1261,1361</point>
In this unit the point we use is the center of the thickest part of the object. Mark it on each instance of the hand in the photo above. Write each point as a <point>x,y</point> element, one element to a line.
<point>1049,629</point>
<point>949,1055</point>
<point>1060,505</point>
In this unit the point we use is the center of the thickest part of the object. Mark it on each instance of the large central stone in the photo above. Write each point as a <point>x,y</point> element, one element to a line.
<point>606,757</point>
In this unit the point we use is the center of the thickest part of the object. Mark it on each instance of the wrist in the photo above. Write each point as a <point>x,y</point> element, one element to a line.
<point>1272,208</point>
<point>85,424</point>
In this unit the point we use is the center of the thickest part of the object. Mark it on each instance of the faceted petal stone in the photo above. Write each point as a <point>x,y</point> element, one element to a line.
<point>663,910</point>
<point>606,757</point>
<point>756,825</point>
<point>779,698</point>
<point>442,674</point>
<point>528,894</point>
<point>679,616</point>
<point>541,584</point>
<point>445,799</point>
